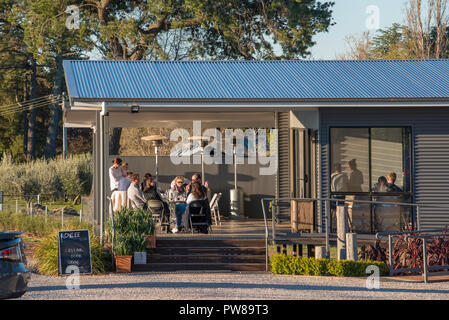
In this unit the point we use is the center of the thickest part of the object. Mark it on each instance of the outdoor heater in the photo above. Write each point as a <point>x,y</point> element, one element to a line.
<point>156,141</point>
<point>236,196</point>
<point>203,143</point>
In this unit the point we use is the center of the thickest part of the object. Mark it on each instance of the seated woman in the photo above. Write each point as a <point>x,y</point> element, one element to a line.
<point>178,193</point>
<point>197,194</point>
<point>151,192</point>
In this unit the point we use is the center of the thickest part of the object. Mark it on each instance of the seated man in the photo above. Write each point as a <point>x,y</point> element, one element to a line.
<point>135,195</point>
<point>390,186</point>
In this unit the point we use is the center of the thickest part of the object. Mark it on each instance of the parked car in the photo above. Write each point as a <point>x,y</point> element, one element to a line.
<point>14,275</point>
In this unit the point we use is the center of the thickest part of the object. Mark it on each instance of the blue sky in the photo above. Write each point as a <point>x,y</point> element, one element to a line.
<point>350,17</point>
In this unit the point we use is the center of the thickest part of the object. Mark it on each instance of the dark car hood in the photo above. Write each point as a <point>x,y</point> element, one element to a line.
<point>9,235</point>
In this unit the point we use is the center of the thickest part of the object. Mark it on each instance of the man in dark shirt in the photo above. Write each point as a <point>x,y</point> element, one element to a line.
<point>391,179</point>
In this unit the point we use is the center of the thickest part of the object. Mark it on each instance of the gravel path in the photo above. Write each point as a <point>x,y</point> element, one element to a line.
<point>228,286</point>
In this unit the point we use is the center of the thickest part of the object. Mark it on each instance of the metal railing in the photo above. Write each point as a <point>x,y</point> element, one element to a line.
<point>326,217</point>
<point>424,234</point>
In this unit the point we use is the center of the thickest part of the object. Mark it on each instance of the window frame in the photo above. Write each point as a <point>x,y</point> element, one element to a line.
<point>408,129</point>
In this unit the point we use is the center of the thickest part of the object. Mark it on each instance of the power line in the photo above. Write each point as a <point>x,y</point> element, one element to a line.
<point>39,105</point>
<point>12,112</point>
<point>21,107</point>
<point>27,102</point>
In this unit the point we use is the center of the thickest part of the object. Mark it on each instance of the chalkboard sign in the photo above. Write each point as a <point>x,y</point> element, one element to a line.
<point>74,252</point>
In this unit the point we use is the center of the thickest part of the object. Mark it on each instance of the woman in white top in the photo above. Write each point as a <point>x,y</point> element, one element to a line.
<point>196,194</point>
<point>116,173</point>
<point>121,195</point>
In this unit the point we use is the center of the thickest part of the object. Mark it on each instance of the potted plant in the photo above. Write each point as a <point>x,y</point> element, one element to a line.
<point>123,239</point>
<point>122,253</point>
<point>146,226</point>
<point>131,230</point>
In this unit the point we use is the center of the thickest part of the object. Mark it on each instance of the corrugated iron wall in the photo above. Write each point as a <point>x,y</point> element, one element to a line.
<point>430,152</point>
<point>283,177</point>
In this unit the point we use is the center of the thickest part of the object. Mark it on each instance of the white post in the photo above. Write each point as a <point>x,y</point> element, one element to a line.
<point>320,252</point>
<point>31,208</point>
<point>341,232</point>
<point>351,246</point>
<point>38,199</point>
<point>157,165</point>
<point>46,209</point>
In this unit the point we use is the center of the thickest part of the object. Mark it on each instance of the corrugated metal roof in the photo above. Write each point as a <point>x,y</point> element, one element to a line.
<point>268,80</point>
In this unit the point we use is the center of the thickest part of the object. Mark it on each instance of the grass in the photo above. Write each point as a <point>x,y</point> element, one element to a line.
<point>37,225</point>
<point>42,235</point>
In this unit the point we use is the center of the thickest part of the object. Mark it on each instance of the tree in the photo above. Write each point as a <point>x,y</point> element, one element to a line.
<point>50,42</point>
<point>205,29</point>
<point>423,36</point>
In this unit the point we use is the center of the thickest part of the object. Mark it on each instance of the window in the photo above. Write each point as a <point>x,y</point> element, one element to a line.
<point>370,160</point>
<point>371,165</point>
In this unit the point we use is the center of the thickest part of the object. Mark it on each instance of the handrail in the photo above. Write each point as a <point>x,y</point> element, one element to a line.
<point>266,236</point>
<point>113,230</point>
<point>412,234</point>
<point>424,243</point>
<point>326,217</point>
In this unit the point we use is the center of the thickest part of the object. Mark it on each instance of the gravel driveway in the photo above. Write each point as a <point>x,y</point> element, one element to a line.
<point>228,286</point>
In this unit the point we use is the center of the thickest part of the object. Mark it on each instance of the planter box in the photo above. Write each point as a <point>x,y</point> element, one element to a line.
<point>151,241</point>
<point>140,258</point>
<point>123,263</point>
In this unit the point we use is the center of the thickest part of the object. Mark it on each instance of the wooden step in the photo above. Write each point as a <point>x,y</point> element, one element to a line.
<point>209,250</point>
<point>205,258</point>
<point>170,267</point>
<point>162,243</point>
<point>205,254</point>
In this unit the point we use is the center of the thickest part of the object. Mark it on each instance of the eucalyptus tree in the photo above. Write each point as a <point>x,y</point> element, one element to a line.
<point>205,29</point>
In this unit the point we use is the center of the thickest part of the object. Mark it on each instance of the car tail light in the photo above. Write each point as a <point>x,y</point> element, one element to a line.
<point>10,254</point>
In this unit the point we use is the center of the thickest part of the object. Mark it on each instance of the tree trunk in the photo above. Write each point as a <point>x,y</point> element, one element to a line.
<point>50,147</point>
<point>31,141</point>
<point>26,97</point>
<point>114,142</point>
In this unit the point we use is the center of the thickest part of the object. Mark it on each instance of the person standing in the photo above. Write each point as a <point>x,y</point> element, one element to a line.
<point>116,173</point>
<point>122,191</point>
<point>355,177</point>
<point>339,179</point>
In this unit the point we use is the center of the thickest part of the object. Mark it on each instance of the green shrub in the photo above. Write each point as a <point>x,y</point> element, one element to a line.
<point>55,178</point>
<point>287,264</point>
<point>46,255</point>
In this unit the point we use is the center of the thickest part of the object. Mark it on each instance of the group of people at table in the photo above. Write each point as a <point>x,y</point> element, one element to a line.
<point>128,190</point>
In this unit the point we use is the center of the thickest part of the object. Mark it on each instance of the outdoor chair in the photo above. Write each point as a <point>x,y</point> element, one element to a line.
<point>198,216</point>
<point>158,212</point>
<point>215,209</point>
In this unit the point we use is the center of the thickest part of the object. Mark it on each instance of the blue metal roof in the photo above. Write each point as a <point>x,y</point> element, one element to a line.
<point>266,80</point>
